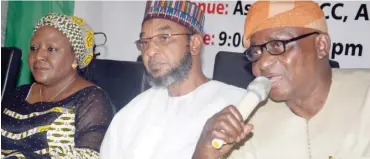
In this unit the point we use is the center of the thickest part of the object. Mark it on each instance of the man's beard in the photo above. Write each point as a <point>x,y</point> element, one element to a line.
<point>175,74</point>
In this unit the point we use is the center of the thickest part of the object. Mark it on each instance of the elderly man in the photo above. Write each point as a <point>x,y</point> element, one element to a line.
<point>166,121</point>
<point>313,112</point>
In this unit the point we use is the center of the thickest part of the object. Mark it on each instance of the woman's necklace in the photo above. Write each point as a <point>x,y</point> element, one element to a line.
<point>57,93</point>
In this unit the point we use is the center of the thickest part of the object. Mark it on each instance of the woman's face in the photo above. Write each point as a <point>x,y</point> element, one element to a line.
<point>51,56</point>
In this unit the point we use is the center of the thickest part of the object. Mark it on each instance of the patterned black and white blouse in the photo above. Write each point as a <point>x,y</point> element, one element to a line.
<point>71,128</point>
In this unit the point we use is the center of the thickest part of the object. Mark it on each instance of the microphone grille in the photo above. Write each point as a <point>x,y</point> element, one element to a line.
<point>261,86</point>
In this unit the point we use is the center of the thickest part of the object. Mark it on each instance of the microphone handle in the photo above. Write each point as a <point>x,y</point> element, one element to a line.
<point>248,104</point>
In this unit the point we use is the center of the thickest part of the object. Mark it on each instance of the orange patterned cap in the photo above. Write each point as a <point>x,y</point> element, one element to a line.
<point>283,13</point>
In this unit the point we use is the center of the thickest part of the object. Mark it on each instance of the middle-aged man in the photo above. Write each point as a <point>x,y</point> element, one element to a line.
<point>313,112</point>
<point>166,121</point>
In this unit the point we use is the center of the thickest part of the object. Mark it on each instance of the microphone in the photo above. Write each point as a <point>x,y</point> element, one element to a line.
<point>257,92</point>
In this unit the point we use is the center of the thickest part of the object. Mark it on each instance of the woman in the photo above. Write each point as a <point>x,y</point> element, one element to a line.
<point>62,115</point>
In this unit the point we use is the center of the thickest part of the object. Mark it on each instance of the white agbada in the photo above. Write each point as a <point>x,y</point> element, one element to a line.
<point>156,126</point>
<point>341,130</point>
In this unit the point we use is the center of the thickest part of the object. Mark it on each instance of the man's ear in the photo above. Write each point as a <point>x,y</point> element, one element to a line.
<point>322,44</point>
<point>196,43</point>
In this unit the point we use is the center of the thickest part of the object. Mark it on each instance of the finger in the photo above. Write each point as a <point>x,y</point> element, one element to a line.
<point>221,134</point>
<point>228,128</point>
<point>236,113</point>
<point>238,126</point>
<point>247,130</point>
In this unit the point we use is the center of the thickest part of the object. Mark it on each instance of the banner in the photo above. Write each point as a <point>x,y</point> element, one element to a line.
<point>348,22</point>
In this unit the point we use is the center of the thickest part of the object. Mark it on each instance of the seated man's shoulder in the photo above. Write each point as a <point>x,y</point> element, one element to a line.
<point>352,74</point>
<point>139,101</point>
<point>228,93</point>
<point>352,80</point>
<point>227,88</point>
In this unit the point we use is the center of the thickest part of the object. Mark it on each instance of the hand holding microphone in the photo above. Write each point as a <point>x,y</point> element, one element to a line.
<point>227,126</point>
<point>257,92</point>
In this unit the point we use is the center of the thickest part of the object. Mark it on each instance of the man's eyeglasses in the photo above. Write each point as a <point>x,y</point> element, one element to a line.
<point>274,47</point>
<point>160,39</point>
